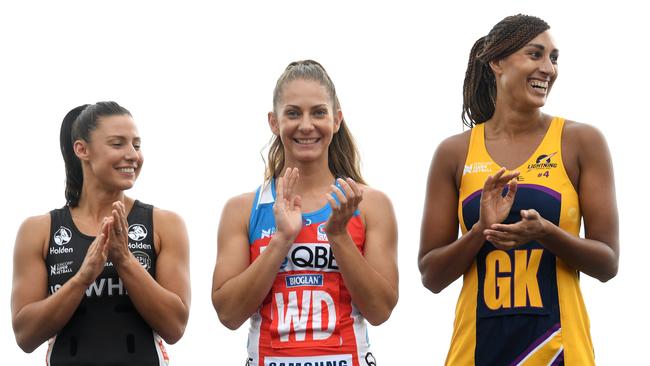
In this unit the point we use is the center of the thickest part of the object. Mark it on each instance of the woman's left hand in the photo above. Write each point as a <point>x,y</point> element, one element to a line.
<point>508,236</point>
<point>347,204</point>
<point>118,240</point>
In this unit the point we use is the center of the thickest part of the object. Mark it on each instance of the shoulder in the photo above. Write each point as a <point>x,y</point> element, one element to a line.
<point>582,133</point>
<point>375,202</point>
<point>241,204</point>
<point>166,217</point>
<point>39,224</point>
<point>33,234</point>
<point>455,145</point>
<point>449,158</point>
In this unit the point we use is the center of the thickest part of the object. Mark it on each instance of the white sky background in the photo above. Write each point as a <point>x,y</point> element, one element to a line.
<point>198,79</point>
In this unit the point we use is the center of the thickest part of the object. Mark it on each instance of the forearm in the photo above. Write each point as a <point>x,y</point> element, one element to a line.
<point>240,297</point>
<point>37,322</point>
<point>371,293</point>
<point>161,308</point>
<point>443,265</point>
<point>589,256</point>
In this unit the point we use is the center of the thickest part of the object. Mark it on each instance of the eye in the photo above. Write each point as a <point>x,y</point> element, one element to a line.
<point>322,112</point>
<point>535,54</point>
<point>292,113</point>
<point>554,58</point>
<point>136,146</point>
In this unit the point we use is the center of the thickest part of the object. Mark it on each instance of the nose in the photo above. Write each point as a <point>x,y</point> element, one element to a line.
<point>131,153</point>
<point>548,67</point>
<point>306,123</point>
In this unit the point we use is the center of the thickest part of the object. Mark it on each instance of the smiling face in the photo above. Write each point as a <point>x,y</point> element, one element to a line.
<point>305,121</point>
<point>524,78</point>
<point>112,157</point>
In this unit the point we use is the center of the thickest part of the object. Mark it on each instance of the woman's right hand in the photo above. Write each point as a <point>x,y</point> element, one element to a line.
<point>494,205</point>
<point>96,257</point>
<point>287,208</point>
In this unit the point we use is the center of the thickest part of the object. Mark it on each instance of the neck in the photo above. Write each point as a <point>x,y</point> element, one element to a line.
<point>513,122</point>
<point>314,176</point>
<point>97,203</point>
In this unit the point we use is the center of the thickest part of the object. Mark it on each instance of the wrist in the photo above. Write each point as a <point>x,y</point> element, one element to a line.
<point>78,282</point>
<point>121,259</point>
<point>478,228</point>
<point>279,239</point>
<point>337,237</point>
<point>546,229</point>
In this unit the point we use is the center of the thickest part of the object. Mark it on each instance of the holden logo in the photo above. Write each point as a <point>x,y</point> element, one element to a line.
<point>137,232</point>
<point>62,236</point>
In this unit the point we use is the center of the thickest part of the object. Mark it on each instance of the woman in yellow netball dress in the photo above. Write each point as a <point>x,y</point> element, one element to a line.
<point>518,184</point>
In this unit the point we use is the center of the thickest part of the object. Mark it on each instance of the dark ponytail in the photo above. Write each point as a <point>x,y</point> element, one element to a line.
<point>479,87</point>
<point>77,125</point>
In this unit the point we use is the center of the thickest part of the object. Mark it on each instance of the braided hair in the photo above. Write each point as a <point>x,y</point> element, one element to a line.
<point>342,155</point>
<point>479,87</point>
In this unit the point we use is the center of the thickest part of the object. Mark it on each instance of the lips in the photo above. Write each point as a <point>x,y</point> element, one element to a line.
<point>306,141</point>
<point>539,85</point>
<point>127,170</point>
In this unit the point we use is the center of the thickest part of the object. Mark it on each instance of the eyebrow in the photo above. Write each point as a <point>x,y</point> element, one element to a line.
<point>120,137</point>
<point>541,47</point>
<point>298,107</point>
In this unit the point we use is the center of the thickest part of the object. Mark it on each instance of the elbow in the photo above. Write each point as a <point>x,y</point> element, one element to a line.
<point>431,284</point>
<point>229,322</point>
<point>228,319</point>
<point>380,315</point>
<point>609,273</point>
<point>25,344</point>
<point>174,334</point>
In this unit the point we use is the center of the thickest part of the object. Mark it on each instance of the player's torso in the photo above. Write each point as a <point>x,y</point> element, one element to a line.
<point>308,317</point>
<point>512,308</point>
<point>105,329</point>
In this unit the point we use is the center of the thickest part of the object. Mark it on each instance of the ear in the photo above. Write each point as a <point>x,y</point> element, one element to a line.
<point>496,66</point>
<point>273,124</point>
<point>338,118</point>
<point>81,150</point>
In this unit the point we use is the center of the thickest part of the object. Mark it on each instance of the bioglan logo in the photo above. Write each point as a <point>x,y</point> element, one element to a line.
<point>61,268</point>
<point>137,232</point>
<point>61,237</point>
<point>478,167</point>
<point>322,236</point>
<point>304,280</point>
<point>143,258</point>
<point>543,162</point>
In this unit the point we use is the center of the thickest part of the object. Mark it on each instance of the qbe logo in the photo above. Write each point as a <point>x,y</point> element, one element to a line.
<point>322,235</point>
<point>137,232</point>
<point>62,236</point>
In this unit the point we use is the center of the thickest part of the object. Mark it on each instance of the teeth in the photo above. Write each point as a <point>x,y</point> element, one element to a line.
<point>539,84</point>
<point>127,170</point>
<point>306,141</point>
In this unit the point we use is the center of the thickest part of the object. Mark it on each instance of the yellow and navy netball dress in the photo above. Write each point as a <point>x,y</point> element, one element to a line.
<point>521,306</point>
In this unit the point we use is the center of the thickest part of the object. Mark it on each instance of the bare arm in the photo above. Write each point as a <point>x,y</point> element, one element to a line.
<point>444,257</point>
<point>238,286</point>
<point>371,277</point>
<point>597,254</point>
<point>163,302</point>
<point>36,316</point>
